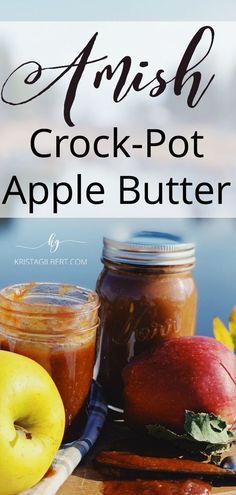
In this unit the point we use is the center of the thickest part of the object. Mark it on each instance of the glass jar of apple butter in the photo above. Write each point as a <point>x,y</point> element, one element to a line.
<point>147,295</point>
<point>55,325</point>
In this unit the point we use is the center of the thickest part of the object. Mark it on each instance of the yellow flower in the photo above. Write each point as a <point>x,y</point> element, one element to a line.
<point>222,334</point>
<point>232,325</point>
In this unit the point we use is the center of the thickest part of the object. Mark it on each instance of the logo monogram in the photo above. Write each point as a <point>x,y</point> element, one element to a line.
<point>53,243</point>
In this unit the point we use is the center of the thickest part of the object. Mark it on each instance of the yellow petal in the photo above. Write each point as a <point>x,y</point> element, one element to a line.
<point>233,315</point>
<point>232,325</point>
<point>221,334</point>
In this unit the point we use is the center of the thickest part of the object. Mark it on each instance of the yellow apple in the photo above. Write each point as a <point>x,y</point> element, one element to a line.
<point>32,422</point>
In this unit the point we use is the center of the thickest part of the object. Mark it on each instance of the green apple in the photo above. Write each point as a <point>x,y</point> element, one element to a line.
<point>32,422</point>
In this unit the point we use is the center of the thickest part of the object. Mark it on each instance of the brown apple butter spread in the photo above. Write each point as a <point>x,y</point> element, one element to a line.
<point>142,487</point>
<point>56,326</point>
<point>147,294</point>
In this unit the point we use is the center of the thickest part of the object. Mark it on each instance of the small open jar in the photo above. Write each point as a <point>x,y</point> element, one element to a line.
<point>147,295</point>
<point>55,325</point>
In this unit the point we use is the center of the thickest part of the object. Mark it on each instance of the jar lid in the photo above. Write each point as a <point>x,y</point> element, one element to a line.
<point>149,248</point>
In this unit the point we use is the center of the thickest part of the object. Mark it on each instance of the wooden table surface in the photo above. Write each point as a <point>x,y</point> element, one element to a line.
<point>86,480</point>
<point>77,485</point>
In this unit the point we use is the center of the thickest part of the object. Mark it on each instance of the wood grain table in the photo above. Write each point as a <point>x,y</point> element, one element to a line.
<point>86,480</point>
<point>77,485</point>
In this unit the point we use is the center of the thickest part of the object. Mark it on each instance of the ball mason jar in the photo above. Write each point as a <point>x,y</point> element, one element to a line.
<point>147,294</point>
<point>55,325</point>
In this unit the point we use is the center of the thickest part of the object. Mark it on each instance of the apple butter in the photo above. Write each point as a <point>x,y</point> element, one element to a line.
<point>56,326</point>
<point>147,295</point>
<point>157,487</point>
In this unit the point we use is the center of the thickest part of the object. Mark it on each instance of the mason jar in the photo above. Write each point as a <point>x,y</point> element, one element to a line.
<point>147,294</point>
<point>54,324</point>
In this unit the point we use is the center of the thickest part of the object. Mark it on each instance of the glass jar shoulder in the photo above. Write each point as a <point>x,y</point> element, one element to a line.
<point>150,283</point>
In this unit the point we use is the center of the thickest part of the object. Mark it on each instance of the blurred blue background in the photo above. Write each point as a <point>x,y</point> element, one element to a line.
<point>103,10</point>
<point>215,271</point>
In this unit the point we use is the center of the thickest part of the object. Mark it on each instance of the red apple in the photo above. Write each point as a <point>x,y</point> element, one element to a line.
<point>194,373</point>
